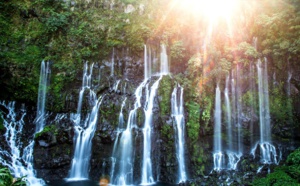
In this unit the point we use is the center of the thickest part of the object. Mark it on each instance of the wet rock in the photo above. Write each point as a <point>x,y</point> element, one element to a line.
<point>43,143</point>
<point>140,117</point>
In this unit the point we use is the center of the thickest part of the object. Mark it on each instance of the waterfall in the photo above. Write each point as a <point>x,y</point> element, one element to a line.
<point>228,115</point>
<point>115,86</point>
<point>252,99</point>
<point>120,129</point>
<point>14,129</point>
<point>122,167</point>
<point>179,126</point>
<point>231,158</point>
<point>218,155</point>
<point>150,62</point>
<point>112,70</point>
<point>122,171</point>
<point>147,175</point>
<point>164,64</point>
<point>233,97</point>
<point>264,115</point>
<point>268,151</point>
<point>43,84</point>
<point>21,163</point>
<point>289,84</point>
<point>84,129</point>
<point>147,63</point>
<point>239,109</point>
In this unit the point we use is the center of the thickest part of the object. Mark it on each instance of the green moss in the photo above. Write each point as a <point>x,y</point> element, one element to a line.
<point>198,158</point>
<point>165,92</point>
<point>167,132</point>
<point>6,178</point>
<point>288,174</point>
<point>49,128</point>
<point>294,157</point>
<point>193,120</point>
<point>140,117</point>
<point>206,113</point>
<point>198,155</point>
<point>110,113</point>
<point>277,178</point>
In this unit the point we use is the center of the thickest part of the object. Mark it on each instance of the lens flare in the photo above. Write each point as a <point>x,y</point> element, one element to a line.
<point>210,9</point>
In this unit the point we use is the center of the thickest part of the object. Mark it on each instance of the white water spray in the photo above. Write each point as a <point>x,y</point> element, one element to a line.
<point>84,129</point>
<point>268,151</point>
<point>147,174</point>
<point>112,70</point>
<point>122,172</point>
<point>179,126</point>
<point>164,64</point>
<point>218,155</point>
<point>228,115</point>
<point>23,165</point>
<point>43,84</point>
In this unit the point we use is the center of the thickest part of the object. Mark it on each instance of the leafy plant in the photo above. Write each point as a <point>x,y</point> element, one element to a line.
<point>288,174</point>
<point>6,179</point>
<point>48,128</point>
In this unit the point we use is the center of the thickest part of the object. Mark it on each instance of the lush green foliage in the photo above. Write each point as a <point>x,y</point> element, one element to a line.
<point>49,128</point>
<point>193,124</point>
<point>165,91</point>
<point>288,174</point>
<point>66,33</point>
<point>6,179</point>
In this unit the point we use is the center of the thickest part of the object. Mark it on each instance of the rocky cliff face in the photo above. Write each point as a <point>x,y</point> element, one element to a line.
<point>54,146</point>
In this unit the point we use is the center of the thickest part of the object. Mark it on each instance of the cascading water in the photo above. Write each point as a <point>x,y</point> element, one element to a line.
<point>43,84</point>
<point>147,63</point>
<point>239,109</point>
<point>84,129</point>
<point>120,129</point>
<point>233,97</point>
<point>150,61</point>
<point>122,168</point>
<point>233,157</point>
<point>218,155</point>
<point>164,65</point>
<point>122,172</point>
<point>289,83</point>
<point>112,70</point>
<point>268,151</point>
<point>253,99</point>
<point>228,115</point>
<point>22,163</point>
<point>115,86</point>
<point>147,175</point>
<point>179,126</point>
<point>13,128</point>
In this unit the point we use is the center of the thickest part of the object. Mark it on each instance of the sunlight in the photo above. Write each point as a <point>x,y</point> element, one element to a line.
<point>213,10</point>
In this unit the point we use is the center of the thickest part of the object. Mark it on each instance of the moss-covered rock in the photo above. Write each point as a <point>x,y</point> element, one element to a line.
<point>140,117</point>
<point>1,122</point>
<point>109,110</point>
<point>287,174</point>
<point>164,94</point>
<point>193,121</point>
<point>47,129</point>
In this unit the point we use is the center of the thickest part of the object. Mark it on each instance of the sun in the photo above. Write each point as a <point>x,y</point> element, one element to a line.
<point>212,10</point>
